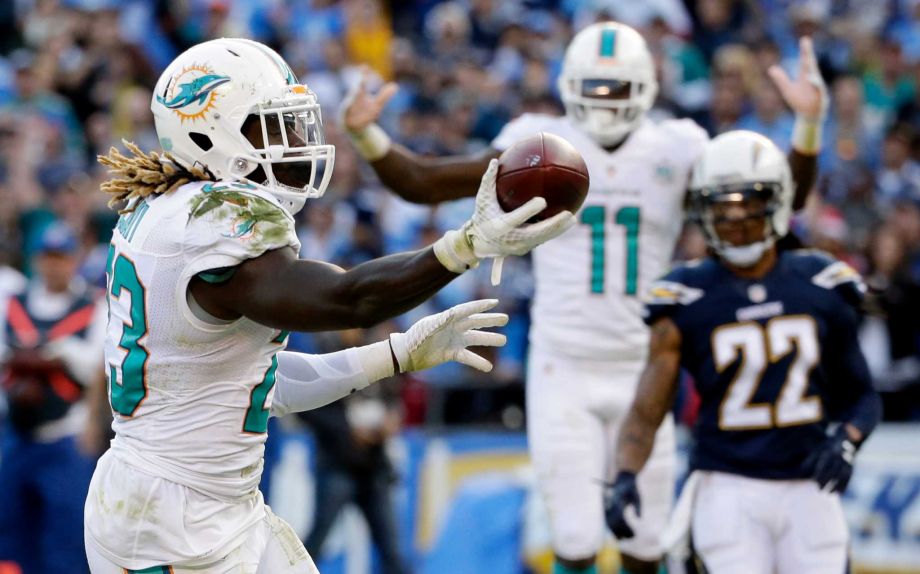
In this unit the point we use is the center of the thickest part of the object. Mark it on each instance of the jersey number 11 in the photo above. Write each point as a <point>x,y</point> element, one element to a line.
<point>595,216</point>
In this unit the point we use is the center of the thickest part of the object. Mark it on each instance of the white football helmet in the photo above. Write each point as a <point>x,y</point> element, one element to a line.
<point>608,81</point>
<point>214,92</point>
<point>739,166</point>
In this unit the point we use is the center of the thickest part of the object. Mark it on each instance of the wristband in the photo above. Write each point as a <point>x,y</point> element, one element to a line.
<point>371,142</point>
<point>455,252</point>
<point>376,360</point>
<point>806,135</point>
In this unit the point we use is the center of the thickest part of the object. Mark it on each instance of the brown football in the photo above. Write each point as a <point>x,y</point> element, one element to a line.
<point>543,165</point>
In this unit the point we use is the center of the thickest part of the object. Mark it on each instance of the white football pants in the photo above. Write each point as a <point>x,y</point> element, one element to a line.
<point>758,526</point>
<point>574,412</point>
<point>272,547</point>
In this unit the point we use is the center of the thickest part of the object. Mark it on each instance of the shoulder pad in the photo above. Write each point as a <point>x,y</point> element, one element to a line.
<point>236,222</point>
<point>664,292</point>
<point>666,296</point>
<point>827,272</point>
<point>686,129</point>
<point>521,127</point>
<point>836,274</point>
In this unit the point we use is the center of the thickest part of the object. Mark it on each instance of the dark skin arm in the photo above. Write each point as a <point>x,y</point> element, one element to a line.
<point>281,291</point>
<point>654,397</point>
<point>431,180</point>
<point>804,173</point>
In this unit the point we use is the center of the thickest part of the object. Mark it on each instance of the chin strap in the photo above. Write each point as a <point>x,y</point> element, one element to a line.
<point>745,255</point>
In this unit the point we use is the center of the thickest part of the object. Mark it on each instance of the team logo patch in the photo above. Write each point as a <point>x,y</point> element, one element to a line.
<point>838,273</point>
<point>191,94</point>
<point>242,228</point>
<point>671,293</point>
<point>664,172</point>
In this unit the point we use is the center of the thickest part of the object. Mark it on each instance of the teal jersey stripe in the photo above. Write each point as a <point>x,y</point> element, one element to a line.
<point>153,570</point>
<point>219,275</point>
<point>608,43</point>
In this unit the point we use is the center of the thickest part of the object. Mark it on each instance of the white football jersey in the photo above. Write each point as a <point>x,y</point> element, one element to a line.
<point>191,398</point>
<point>589,280</point>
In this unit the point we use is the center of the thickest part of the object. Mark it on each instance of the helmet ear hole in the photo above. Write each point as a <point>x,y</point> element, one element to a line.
<point>201,140</point>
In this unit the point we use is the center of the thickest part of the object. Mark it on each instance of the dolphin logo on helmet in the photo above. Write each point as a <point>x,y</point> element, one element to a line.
<point>198,89</point>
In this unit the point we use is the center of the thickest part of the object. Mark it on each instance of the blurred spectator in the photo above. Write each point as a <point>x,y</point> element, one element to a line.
<point>684,74</point>
<point>890,335</point>
<point>769,116</point>
<point>898,175</point>
<point>909,112</point>
<point>368,35</point>
<point>717,23</point>
<point>828,231</point>
<point>847,135</point>
<point>905,31</point>
<point>352,466</point>
<point>51,343</point>
<point>34,97</point>
<point>886,85</point>
<point>852,188</point>
<point>726,107</point>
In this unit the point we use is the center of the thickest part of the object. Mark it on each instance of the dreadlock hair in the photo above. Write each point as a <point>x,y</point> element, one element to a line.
<point>140,175</point>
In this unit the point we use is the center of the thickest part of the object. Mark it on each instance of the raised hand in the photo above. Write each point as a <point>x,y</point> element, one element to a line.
<point>807,94</point>
<point>360,108</point>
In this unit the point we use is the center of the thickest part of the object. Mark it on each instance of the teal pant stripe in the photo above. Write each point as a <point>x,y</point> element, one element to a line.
<point>560,569</point>
<point>608,43</point>
<point>152,570</point>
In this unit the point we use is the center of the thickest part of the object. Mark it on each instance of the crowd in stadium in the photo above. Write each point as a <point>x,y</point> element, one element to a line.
<point>76,78</point>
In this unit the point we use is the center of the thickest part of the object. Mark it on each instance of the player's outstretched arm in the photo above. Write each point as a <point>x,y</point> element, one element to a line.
<point>281,291</point>
<point>414,178</point>
<point>807,96</point>
<point>654,397</point>
<point>304,382</point>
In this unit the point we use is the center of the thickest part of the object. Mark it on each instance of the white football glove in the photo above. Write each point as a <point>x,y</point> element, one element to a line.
<point>492,232</point>
<point>445,337</point>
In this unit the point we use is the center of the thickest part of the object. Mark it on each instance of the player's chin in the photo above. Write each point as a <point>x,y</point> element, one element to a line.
<point>741,236</point>
<point>295,174</point>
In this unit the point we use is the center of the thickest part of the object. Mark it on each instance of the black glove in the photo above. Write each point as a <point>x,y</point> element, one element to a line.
<point>832,463</point>
<point>622,493</point>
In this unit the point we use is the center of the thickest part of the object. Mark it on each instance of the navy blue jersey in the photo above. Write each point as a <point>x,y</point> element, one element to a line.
<point>774,359</point>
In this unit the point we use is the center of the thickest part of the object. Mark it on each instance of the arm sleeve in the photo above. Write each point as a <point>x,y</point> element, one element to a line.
<point>304,382</point>
<point>851,397</point>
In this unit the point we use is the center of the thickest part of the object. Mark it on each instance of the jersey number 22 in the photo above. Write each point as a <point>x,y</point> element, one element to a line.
<point>760,346</point>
